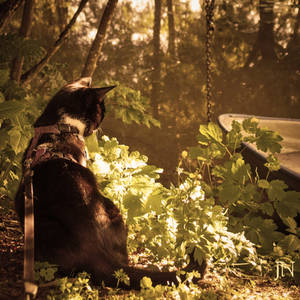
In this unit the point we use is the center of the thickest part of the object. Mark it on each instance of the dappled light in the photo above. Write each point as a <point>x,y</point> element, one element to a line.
<point>191,84</point>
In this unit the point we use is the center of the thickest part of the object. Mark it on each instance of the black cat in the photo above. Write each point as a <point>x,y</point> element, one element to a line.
<point>75,226</point>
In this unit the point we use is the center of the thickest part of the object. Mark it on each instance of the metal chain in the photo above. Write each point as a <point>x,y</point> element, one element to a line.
<point>209,8</point>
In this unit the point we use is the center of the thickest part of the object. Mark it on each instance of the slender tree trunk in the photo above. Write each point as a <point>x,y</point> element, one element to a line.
<point>95,50</point>
<point>171,27</point>
<point>29,75</point>
<point>266,32</point>
<point>293,41</point>
<point>265,43</point>
<point>156,74</point>
<point>24,32</point>
<point>62,14</point>
<point>7,10</point>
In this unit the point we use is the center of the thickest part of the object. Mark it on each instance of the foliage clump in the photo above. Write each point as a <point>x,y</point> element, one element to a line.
<point>219,210</point>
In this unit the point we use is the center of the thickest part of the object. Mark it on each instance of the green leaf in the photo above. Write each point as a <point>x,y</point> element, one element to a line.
<point>229,193</point>
<point>91,142</point>
<point>291,243</point>
<point>4,139</point>
<point>146,283</point>
<point>264,184</point>
<point>4,76</point>
<point>273,163</point>
<point>291,223</point>
<point>15,140</point>
<point>250,125</point>
<point>276,190</point>
<point>267,208</point>
<point>154,201</point>
<point>9,109</point>
<point>133,204</point>
<point>212,132</point>
<point>234,136</point>
<point>151,171</point>
<point>199,255</point>
<point>268,141</point>
<point>199,153</point>
<point>285,210</point>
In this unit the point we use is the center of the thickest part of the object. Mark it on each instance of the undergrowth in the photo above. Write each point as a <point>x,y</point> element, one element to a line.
<point>219,210</point>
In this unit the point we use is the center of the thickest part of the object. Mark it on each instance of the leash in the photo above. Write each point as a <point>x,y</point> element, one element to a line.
<point>30,286</point>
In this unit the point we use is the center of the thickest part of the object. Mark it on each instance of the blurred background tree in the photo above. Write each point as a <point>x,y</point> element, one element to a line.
<point>158,48</point>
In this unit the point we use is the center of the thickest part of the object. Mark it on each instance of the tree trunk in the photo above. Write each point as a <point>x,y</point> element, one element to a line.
<point>29,75</point>
<point>156,74</point>
<point>294,38</point>
<point>265,43</point>
<point>7,10</point>
<point>24,32</point>
<point>266,30</point>
<point>62,14</point>
<point>171,27</point>
<point>94,53</point>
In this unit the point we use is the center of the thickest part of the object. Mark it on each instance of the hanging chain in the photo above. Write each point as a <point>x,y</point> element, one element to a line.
<point>209,8</point>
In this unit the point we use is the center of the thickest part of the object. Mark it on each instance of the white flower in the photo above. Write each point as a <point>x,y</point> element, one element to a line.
<point>197,193</point>
<point>101,167</point>
<point>133,164</point>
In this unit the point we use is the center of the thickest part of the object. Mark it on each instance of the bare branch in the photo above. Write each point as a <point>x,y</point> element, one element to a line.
<point>29,75</point>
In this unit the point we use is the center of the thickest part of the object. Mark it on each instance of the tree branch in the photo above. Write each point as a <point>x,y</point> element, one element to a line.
<point>24,32</point>
<point>29,75</point>
<point>7,10</point>
<point>94,53</point>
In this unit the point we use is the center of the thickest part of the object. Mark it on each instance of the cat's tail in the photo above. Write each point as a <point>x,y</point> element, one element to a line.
<point>157,277</point>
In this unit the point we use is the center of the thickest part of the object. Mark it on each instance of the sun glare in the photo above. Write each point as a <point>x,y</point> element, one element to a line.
<point>195,5</point>
<point>141,4</point>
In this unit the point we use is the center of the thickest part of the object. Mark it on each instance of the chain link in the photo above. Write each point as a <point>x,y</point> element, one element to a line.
<point>209,8</point>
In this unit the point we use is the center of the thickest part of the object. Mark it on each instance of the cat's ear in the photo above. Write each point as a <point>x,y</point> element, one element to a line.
<point>85,81</point>
<point>100,92</point>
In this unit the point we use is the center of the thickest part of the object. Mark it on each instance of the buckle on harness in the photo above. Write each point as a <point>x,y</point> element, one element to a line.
<point>30,289</point>
<point>27,163</point>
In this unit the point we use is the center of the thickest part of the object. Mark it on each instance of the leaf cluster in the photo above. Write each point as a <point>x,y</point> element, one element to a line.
<point>165,223</point>
<point>253,204</point>
<point>129,105</point>
<point>77,288</point>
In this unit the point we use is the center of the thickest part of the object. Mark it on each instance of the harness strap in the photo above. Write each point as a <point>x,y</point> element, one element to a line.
<point>38,131</point>
<point>56,129</point>
<point>30,287</point>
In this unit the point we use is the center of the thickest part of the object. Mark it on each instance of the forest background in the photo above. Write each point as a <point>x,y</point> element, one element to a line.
<point>255,67</point>
<point>155,52</point>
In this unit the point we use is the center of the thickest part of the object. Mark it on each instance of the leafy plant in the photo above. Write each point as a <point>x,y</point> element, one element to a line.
<point>219,211</point>
<point>251,202</point>
<point>76,288</point>
<point>19,109</point>
<point>122,277</point>
<point>165,223</point>
<point>44,271</point>
<point>129,105</point>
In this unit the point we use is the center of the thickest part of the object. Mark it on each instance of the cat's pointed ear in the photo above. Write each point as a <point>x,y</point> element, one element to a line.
<point>101,92</point>
<point>85,81</point>
<point>80,83</point>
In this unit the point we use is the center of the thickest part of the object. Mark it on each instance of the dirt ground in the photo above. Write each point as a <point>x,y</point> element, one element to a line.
<point>11,272</point>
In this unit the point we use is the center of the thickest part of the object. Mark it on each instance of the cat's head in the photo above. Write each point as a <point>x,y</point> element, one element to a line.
<point>77,104</point>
